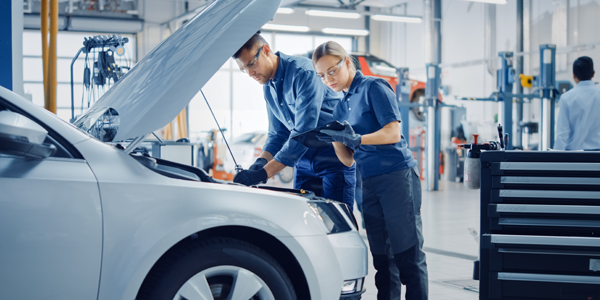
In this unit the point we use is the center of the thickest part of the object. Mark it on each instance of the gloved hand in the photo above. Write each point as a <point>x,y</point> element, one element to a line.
<point>251,177</point>
<point>347,136</point>
<point>258,164</point>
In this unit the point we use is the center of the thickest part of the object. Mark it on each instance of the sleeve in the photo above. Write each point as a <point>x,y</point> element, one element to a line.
<point>277,136</point>
<point>563,127</point>
<point>309,93</point>
<point>383,102</point>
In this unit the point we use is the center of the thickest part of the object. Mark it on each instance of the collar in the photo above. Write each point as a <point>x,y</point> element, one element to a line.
<point>280,73</point>
<point>358,78</point>
<point>586,83</point>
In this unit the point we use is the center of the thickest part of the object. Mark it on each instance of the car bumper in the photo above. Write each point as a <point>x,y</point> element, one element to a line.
<point>329,260</point>
<point>353,296</point>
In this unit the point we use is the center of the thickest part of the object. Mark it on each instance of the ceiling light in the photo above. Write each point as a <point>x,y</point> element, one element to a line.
<point>396,18</point>
<point>285,10</point>
<point>489,1</point>
<point>360,32</point>
<point>285,28</point>
<point>332,14</point>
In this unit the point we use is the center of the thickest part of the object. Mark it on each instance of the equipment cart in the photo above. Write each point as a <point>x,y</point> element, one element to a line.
<point>540,225</point>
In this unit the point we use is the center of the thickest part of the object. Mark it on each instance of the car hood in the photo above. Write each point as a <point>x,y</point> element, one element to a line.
<point>155,91</point>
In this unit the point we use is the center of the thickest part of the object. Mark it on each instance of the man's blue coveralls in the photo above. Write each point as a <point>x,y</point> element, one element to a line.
<point>298,102</point>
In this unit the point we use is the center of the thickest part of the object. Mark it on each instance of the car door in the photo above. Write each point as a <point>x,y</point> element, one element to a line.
<point>50,227</point>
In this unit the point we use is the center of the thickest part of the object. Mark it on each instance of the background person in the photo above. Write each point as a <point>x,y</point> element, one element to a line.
<point>578,125</point>
<point>391,185</point>
<point>297,102</point>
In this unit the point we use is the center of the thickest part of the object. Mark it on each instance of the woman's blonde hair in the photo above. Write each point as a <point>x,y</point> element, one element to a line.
<point>334,49</point>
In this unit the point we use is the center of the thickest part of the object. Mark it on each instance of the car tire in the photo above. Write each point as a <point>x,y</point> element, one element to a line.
<point>215,268</point>
<point>286,175</point>
<point>419,115</point>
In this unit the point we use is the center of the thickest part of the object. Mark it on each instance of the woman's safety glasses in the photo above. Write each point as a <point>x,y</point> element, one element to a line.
<point>332,71</point>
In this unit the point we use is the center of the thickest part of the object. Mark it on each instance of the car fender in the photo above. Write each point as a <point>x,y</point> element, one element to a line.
<point>145,214</point>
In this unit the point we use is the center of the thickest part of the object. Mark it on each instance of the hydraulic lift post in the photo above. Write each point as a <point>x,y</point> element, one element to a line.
<point>545,88</point>
<point>433,126</point>
<point>402,96</point>
<point>547,94</point>
<point>506,79</point>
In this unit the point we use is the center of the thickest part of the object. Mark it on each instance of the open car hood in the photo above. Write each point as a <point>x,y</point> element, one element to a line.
<point>162,84</point>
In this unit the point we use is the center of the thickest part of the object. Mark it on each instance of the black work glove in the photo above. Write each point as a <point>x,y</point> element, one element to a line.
<point>251,177</point>
<point>347,136</point>
<point>258,164</point>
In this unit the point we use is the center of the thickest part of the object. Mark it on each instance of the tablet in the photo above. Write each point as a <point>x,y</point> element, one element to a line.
<point>309,139</point>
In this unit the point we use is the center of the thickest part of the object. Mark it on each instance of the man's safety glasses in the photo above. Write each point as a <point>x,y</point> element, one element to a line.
<point>252,65</point>
<point>332,71</point>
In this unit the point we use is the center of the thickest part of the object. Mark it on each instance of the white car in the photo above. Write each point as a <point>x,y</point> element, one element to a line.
<point>83,219</point>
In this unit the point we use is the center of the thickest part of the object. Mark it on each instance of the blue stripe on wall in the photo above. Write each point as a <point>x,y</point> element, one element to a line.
<point>6,73</point>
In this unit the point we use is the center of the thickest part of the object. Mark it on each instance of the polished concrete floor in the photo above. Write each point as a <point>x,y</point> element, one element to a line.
<point>447,215</point>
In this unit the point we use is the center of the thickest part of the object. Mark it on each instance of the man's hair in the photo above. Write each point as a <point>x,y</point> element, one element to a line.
<point>256,39</point>
<point>583,68</point>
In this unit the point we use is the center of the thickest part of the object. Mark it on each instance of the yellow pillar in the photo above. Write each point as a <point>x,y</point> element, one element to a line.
<point>182,130</point>
<point>168,131</point>
<point>51,105</point>
<point>44,31</point>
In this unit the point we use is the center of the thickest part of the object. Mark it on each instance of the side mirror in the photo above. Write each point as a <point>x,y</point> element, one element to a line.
<point>20,136</point>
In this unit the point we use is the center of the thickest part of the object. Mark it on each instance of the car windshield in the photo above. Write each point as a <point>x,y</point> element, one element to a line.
<point>100,122</point>
<point>380,67</point>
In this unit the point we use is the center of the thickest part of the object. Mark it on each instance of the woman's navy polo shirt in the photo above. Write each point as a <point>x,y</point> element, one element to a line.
<point>370,104</point>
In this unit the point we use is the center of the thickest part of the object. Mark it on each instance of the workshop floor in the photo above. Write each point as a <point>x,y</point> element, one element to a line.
<point>450,248</point>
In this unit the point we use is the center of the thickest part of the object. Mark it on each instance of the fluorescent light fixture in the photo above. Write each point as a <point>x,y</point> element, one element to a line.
<point>359,32</point>
<point>396,18</point>
<point>489,1</point>
<point>285,10</point>
<point>285,28</point>
<point>332,14</point>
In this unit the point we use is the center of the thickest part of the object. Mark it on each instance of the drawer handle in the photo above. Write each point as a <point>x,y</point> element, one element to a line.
<point>548,209</point>
<point>543,240</point>
<point>549,194</point>
<point>549,278</point>
<point>548,222</point>
<point>541,166</point>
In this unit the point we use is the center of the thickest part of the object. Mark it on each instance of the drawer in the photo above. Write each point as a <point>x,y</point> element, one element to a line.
<point>506,285</point>
<point>545,168</point>
<point>542,267</point>
<point>530,254</point>
<point>552,197</point>
<point>546,182</point>
<point>545,219</point>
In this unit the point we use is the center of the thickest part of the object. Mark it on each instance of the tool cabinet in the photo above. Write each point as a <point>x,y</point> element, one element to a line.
<point>540,225</point>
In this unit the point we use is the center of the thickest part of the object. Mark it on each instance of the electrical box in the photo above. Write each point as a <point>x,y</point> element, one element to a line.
<point>179,152</point>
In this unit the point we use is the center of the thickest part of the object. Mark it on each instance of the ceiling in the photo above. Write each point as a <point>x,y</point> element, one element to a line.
<point>346,3</point>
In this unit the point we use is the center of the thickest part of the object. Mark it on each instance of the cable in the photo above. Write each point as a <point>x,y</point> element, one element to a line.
<point>237,167</point>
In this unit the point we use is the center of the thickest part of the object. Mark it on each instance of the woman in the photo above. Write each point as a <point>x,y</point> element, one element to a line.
<point>391,185</point>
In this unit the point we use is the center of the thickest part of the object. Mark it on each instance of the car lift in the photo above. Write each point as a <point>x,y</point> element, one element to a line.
<point>545,87</point>
<point>433,105</point>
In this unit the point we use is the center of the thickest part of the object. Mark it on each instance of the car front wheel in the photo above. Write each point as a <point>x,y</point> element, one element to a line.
<point>218,268</point>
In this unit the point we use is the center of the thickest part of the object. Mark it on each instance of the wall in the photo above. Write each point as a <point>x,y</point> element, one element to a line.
<point>565,23</point>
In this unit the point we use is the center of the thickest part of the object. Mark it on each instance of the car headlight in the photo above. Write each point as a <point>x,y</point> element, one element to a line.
<point>331,217</point>
<point>352,286</point>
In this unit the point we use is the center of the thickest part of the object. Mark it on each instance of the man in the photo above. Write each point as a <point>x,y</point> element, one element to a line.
<point>297,102</point>
<point>578,126</point>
